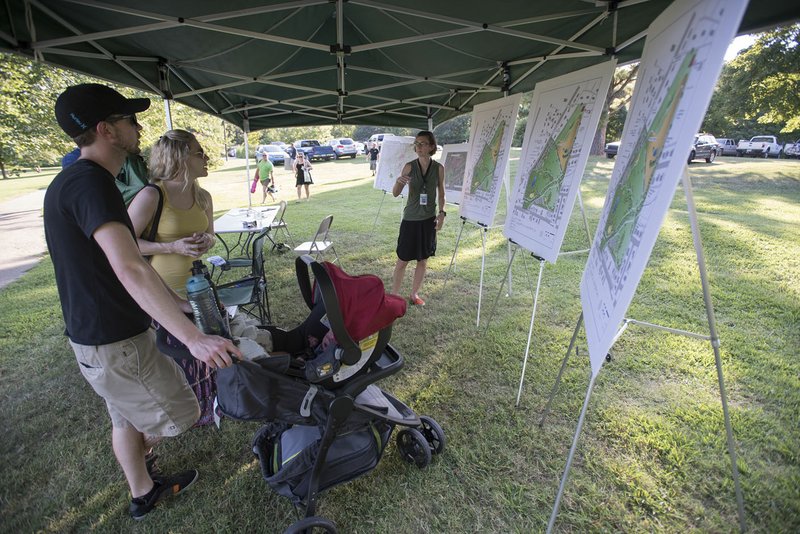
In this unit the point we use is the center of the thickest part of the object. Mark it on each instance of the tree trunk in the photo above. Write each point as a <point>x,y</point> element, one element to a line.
<point>3,169</point>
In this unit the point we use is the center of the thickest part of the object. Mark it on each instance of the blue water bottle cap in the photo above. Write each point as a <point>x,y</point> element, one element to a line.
<point>196,283</point>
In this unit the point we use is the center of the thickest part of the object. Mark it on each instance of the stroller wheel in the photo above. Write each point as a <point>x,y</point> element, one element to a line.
<point>414,447</point>
<point>309,525</point>
<point>433,434</point>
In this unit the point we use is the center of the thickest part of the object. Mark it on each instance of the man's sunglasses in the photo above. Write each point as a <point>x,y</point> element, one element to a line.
<point>117,118</point>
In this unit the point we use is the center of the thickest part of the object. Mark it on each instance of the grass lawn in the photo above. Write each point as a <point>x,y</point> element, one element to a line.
<point>652,455</point>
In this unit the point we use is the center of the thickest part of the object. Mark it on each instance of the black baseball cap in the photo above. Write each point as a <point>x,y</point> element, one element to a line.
<point>81,107</point>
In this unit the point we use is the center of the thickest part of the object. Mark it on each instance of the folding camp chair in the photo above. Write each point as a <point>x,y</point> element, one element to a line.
<point>278,223</point>
<point>250,293</point>
<point>320,245</point>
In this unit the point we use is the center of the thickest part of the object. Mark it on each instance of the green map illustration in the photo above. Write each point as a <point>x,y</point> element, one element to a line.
<point>547,174</point>
<point>630,194</point>
<point>483,172</point>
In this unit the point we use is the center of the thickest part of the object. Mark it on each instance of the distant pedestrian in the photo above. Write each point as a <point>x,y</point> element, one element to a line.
<point>288,164</point>
<point>372,155</point>
<point>302,173</point>
<point>264,173</point>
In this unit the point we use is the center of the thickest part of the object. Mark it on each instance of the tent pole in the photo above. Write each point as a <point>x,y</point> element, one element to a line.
<point>167,114</point>
<point>246,128</point>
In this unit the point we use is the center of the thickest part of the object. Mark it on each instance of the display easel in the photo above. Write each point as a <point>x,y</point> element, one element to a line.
<point>380,206</point>
<point>713,338</point>
<point>542,263</point>
<point>484,229</point>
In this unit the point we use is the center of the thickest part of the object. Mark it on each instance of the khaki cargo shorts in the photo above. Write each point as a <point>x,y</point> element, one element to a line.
<point>142,387</point>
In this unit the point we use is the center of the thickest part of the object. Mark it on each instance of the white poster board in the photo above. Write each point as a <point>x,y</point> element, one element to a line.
<point>489,145</point>
<point>396,151</point>
<point>681,62</point>
<point>454,159</point>
<point>563,118</point>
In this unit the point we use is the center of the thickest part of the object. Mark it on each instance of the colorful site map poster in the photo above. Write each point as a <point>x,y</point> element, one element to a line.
<point>680,65</point>
<point>396,151</point>
<point>563,118</point>
<point>454,159</point>
<point>489,146</point>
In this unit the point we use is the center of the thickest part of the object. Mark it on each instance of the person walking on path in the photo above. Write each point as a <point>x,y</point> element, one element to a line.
<point>302,173</point>
<point>109,293</point>
<point>372,155</point>
<point>417,240</point>
<point>264,173</point>
<point>292,151</point>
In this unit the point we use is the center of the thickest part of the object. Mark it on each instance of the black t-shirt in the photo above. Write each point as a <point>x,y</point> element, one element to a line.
<point>373,154</point>
<point>97,309</point>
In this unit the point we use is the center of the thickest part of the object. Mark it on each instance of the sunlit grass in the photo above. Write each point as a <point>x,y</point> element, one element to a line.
<point>652,456</point>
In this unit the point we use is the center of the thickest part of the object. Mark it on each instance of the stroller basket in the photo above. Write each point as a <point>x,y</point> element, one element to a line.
<point>287,456</point>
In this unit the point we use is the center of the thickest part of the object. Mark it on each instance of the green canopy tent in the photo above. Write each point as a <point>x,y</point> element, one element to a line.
<point>261,64</point>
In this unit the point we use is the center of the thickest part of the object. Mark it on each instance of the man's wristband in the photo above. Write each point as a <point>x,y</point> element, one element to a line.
<point>442,212</point>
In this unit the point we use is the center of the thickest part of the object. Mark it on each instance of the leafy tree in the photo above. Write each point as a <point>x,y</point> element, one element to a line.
<point>29,133</point>
<point>617,99</point>
<point>758,92</point>
<point>455,130</point>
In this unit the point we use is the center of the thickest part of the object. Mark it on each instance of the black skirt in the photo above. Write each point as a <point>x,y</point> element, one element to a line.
<point>417,240</point>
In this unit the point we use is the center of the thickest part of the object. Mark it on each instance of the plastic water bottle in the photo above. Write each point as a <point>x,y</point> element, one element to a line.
<point>201,297</point>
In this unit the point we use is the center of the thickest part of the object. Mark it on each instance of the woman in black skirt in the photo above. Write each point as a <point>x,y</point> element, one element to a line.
<point>302,173</point>
<point>421,219</point>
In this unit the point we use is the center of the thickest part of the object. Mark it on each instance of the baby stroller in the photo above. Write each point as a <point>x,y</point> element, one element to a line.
<point>326,421</point>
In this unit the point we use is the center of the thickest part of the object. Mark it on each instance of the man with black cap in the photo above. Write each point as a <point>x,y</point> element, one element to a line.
<point>109,293</point>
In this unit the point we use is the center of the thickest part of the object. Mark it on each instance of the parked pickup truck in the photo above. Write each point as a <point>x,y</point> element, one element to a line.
<point>763,146</point>
<point>313,149</point>
<point>792,150</point>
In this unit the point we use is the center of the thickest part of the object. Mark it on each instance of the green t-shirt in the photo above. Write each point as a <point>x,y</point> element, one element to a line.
<point>264,170</point>
<point>132,177</point>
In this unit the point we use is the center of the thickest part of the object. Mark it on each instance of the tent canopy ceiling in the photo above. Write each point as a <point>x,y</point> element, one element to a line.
<point>386,62</point>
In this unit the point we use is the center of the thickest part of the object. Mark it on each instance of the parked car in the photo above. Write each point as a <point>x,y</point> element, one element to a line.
<point>361,148</point>
<point>703,147</point>
<point>343,146</point>
<point>273,152</point>
<point>792,150</point>
<point>611,149</point>
<point>378,138</point>
<point>726,147</point>
<point>314,150</point>
<point>760,146</point>
<point>280,144</point>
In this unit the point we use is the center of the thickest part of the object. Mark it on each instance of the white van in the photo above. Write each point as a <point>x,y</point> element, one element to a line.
<point>378,138</point>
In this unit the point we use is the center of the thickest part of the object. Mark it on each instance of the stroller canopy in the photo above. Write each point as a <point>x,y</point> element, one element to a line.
<point>366,307</point>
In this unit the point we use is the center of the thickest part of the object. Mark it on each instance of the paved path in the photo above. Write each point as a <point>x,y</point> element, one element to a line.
<point>21,235</point>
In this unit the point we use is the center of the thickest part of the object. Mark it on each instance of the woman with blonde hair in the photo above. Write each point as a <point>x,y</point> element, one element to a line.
<point>302,173</point>
<point>185,231</point>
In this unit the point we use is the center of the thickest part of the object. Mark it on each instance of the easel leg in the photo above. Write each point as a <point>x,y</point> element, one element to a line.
<point>712,328</point>
<point>571,454</point>
<point>380,206</point>
<point>583,214</point>
<point>530,331</point>
<point>455,250</point>
<point>508,273</point>
<point>561,371</point>
<point>483,267</point>
<point>500,291</point>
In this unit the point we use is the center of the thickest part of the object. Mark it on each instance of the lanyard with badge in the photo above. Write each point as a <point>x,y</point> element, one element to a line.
<point>423,196</point>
